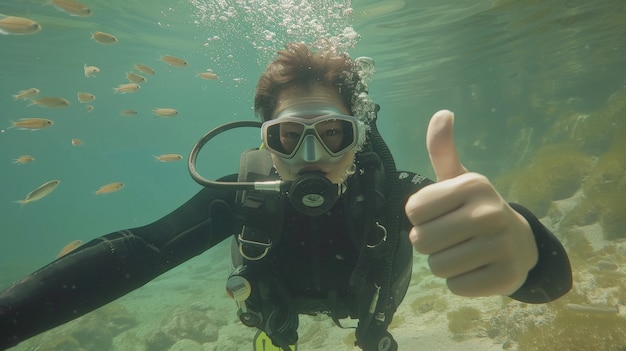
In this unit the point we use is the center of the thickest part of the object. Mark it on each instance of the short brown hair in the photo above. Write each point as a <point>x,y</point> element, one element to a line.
<point>298,65</point>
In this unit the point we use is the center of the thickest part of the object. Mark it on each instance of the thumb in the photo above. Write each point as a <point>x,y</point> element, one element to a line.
<point>440,145</point>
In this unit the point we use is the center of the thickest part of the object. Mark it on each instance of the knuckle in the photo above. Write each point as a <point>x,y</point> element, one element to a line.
<point>460,288</point>
<point>419,241</point>
<point>476,178</point>
<point>509,279</point>
<point>478,182</point>
<point>491,215</point>
<point>410,207</point>
<point>435,267</point>
<point>413,237</point>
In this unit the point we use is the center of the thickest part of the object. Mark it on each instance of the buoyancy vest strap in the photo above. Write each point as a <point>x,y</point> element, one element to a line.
<point>260,212</point>
<point>376,299</point>
<point>262,217</point>
<point>317,226</point>
<point>394,209</point>
<point>373,240</point>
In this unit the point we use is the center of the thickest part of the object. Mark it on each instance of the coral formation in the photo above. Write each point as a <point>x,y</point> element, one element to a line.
<point>514,319</point>
<point>572,330</point>
<point>556,172</point>
<point>463,321</point>
<point>604,195</point>
<point>427,303</point>
<point>579,152</point>
<point>599,131</point>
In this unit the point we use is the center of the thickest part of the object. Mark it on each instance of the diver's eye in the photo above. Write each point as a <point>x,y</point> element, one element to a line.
<point>290,135</point>
<point>330,132</point>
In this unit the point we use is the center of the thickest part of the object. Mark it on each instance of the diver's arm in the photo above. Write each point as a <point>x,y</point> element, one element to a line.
<point>111,266</point>
<point>549,279</point>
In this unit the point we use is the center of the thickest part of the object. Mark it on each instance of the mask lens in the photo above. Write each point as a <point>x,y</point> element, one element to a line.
<point>336,134</point>
<point>285,137</point>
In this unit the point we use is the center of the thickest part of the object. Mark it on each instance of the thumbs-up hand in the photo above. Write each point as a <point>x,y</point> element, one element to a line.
<point>474,239</point>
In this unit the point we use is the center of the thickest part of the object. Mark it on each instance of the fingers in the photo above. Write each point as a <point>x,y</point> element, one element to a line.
<point>440,234</point>
<point>467,256</point>
<point>439,199</point>
<point>479,266</point>
<point>457,226</point>
<point>493,279</point>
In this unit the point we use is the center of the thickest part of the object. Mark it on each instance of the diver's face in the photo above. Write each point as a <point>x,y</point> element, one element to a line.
<point>320,95</point>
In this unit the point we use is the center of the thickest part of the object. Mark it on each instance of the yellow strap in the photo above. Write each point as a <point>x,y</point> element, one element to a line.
<point>262,342</point>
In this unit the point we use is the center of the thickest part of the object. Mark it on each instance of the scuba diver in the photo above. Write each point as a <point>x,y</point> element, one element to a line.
<point>321,222</point>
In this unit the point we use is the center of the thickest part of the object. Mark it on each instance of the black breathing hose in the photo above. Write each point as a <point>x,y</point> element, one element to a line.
<point>193,155</point>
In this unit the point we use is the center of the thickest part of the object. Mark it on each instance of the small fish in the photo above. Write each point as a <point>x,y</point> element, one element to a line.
<point>22,159</point>
<point>208,75</point>
<point>174,61</point>
<point>127,88</point>
<point>89,108</point>
<point>70,247</point>
<point>40,192</point>
<point>165,112</point>
<point>32,123</point>
<point>77,142</point>
<point>128,112</point>
<point>73,7</point>
<point>110,188</point>
<point>168,157</point>
<point>104,38</point>
<point>50,102</point>
<point>18,25</point>
<point>90,71</point>
<point>135,78</point>
<point>26,94</point>
<point>85,97</point>
<point>144,69</point>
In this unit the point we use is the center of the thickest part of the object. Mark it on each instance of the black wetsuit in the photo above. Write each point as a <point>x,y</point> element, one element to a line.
<point>115,264</point>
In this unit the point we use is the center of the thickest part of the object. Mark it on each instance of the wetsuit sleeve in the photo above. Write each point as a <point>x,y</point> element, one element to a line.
<point>113,265</point>
<point>551,277</point>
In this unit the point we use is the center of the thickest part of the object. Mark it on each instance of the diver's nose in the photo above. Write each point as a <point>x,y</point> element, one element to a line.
<point>312,151</point>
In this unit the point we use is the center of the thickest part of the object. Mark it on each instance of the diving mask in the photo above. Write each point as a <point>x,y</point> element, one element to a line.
<point>297,136</point>
<point>322,135</point>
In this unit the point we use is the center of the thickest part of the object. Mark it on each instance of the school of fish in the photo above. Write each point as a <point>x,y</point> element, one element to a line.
<point>33,96</point>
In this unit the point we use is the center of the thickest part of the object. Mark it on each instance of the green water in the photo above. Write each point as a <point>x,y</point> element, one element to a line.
<point>502,66</point>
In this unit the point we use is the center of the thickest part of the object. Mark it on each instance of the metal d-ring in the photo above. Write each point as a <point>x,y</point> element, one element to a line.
<point>383,239</point>
<point>242,241</point>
